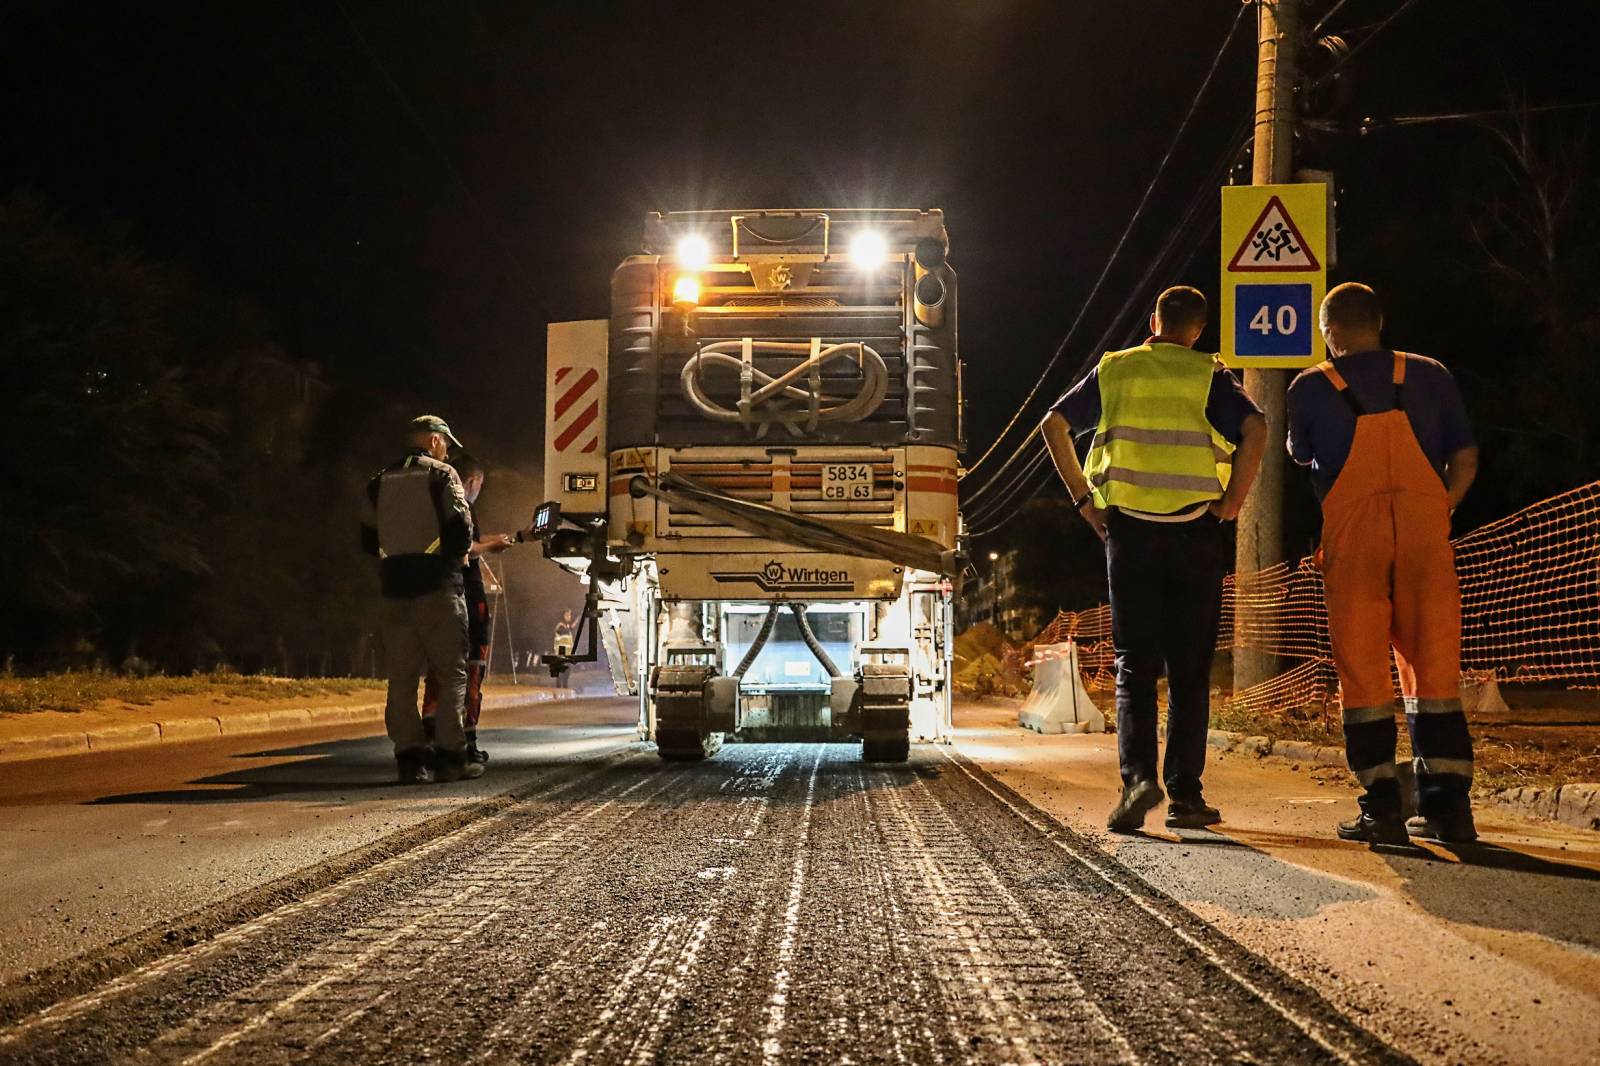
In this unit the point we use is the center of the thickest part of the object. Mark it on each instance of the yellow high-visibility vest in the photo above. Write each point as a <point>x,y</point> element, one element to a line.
<point>1154,451</point>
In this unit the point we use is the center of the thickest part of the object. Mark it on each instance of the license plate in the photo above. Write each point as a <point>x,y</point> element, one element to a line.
<point>847,481</point>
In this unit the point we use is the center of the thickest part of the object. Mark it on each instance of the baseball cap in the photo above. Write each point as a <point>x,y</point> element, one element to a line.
<point>434,424</point>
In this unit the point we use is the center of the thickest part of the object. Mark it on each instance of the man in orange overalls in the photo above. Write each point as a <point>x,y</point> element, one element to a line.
<point>1392,454</point>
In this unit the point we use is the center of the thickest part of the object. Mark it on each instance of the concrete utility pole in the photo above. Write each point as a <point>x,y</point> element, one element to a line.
<point>1260,542</point>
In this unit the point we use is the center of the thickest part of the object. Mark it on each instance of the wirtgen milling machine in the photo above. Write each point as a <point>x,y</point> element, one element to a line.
<point>755,459</point>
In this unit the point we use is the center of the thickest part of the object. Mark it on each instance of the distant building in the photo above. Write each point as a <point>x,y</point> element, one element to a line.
<point>994,596</point>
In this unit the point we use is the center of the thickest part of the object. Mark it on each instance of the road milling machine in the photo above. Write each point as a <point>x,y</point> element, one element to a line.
<point>753,466</point>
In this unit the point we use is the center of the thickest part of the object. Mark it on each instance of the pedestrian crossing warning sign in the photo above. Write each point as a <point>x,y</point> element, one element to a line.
<point>1274,243</point>
<point>1273,251</point>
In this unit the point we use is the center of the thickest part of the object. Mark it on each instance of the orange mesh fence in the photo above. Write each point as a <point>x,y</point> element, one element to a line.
<point>1530,597</point>
<point>1091,631</point>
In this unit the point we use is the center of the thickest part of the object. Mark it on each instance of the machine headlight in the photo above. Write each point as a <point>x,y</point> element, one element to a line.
<point>686,292</point>
<point>693,252</point>
<point>868,249</point>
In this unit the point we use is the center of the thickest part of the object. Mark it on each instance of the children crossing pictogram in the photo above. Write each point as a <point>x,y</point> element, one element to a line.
<point>1274,243</point>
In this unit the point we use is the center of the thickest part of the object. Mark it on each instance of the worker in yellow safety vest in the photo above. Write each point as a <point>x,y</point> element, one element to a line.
<point>1177,444</point>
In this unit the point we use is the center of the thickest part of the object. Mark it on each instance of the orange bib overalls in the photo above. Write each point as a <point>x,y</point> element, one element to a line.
<point>1390,576</point>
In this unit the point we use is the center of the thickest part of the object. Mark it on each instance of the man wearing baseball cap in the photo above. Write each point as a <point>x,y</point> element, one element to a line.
<point>418,525</point>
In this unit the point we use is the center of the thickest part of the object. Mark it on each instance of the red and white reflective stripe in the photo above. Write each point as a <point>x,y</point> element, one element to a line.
<point>575,420</point>
<point>1047,653</point>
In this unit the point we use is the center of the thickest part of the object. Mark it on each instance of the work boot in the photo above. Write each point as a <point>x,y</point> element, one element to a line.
<point>455,767</point>
<point>1453,828</point>
<point>1138,800</point>
<point>475,753</point>
<point>1193,813</point>
<point>414,766</point>
<point>428,727</point>
<point>1365,827</point>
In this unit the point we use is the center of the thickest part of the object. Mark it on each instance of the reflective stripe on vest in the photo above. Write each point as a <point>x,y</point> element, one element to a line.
<point>1154,451</point>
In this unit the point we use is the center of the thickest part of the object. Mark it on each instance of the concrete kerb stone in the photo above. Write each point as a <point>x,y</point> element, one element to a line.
<point>174,730</point>
<point>1535,802</point>
<point>289,718</point>
<point>190,728</point>
<point>133,735</point>
<point>241,724</point>
<point>43,747</point>
<point>1576,804</point>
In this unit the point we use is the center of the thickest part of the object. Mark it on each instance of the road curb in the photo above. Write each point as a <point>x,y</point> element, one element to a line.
<point>209,727</point>
<point>1576,804</point>
<point>1261,747</point>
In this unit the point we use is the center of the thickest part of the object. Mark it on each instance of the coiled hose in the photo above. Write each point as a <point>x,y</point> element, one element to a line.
<point>765,400</point>
<point>799,610</point>
<point>759,643</point>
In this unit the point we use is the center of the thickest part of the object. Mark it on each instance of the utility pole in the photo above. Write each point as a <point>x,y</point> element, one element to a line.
<point>1260,531</point>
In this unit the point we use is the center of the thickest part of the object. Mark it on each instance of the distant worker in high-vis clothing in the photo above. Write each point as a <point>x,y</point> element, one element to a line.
<point>566,636</point>
<point>1391,454</point>
<point>1177,444</point>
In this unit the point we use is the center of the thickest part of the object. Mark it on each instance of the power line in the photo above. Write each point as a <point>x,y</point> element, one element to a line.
<point>1121,241</point>
<point>1136,294</point>
<point>994,513</point>
<point>1368,39</point>
<point>1368,125</point>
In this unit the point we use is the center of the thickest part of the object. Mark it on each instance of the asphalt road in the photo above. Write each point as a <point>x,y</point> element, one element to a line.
<point>781,903</point>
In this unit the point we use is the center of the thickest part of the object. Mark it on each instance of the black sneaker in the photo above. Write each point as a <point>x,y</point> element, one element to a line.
<point>1372,830</point>
<point>1454,828</point>
<point>1138,800</point>
<point>1191,814</point>
<point>457,768</point>
<point>414,768</point>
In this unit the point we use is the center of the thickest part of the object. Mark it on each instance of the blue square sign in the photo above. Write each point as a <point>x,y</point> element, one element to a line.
<point>1272,320</point>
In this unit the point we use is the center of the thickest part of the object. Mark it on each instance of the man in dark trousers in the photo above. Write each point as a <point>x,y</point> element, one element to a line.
<point>479,622</point>
<point>1391,455</point>
<point>418,525</point>
<point>1177,444</point>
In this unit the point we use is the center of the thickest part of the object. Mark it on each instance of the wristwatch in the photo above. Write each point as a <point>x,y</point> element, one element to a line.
<point>1087,497</point>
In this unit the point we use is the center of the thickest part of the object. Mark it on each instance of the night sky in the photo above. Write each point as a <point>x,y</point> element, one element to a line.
<point>411,190</point>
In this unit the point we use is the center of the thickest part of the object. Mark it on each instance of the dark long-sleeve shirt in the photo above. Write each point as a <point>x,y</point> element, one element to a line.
<point>418,525</point>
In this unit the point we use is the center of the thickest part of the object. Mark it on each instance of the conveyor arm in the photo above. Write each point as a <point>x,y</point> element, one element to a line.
<point>803,531</point>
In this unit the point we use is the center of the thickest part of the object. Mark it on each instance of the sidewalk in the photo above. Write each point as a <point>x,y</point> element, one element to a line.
<point>1488,953</point>
<point>114,725</point>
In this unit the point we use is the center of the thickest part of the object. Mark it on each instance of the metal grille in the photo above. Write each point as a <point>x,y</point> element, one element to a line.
<point>792,484</point>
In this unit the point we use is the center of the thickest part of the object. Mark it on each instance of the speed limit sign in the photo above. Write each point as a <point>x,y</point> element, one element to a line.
<point>1273,275</point>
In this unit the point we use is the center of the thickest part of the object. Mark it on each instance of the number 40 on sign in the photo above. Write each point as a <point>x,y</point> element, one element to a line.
<point>1274,241</point>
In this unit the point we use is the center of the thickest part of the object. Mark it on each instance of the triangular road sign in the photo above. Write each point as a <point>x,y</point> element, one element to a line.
<point>1274,243</point>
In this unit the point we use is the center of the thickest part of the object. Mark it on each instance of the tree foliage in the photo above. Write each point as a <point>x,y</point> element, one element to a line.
<point>166,496</point>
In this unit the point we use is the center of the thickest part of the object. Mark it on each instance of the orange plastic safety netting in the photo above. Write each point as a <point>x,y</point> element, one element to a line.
<point>1530,597</point>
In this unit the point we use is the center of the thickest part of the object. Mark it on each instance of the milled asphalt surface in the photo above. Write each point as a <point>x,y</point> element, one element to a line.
<point>781,903</point>
<point>97,847</point>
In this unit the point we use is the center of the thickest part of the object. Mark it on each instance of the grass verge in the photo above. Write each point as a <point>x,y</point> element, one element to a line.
<point>78,690</point>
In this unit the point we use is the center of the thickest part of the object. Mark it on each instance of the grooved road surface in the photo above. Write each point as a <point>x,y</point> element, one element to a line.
<point>780,903</point>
